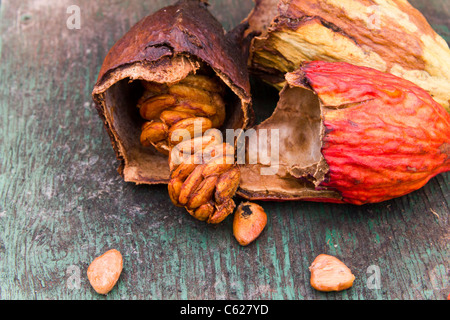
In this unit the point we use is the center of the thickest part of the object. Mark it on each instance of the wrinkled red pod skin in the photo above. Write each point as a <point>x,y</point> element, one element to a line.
<point>384,136</point>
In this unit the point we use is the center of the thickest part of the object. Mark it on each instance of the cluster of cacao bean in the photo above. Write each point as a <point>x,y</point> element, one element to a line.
<point>206,178</point>
<point>197,99</point>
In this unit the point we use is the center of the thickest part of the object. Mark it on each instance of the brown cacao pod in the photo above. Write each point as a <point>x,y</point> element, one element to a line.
<point>390,36</point>
<point>349,134</point>
<point>165,48</point>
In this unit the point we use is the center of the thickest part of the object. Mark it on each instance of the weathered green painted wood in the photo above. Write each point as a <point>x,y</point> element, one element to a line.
<point>62,202</point>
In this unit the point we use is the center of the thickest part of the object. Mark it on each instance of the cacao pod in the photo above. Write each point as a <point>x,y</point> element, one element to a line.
<point>349,134</point>
<point>165,48</point>
<point>390,36</point>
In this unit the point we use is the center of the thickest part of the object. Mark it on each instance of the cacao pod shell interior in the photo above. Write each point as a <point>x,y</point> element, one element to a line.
<point>165,47</point>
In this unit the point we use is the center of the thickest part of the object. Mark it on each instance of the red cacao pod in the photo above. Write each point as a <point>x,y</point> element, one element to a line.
<point>350,134</point>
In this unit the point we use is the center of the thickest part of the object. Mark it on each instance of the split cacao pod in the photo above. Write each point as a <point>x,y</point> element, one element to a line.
<point>166,47</point>
<point>390,36</point>
<point>350,134</point>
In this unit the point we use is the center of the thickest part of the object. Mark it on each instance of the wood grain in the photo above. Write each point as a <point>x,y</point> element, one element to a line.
<point>62,202</point>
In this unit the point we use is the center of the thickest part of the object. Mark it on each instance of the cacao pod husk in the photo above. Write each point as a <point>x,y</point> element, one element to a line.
<point>390,36</point>
<point>349,134</point>
<point>164,48</point>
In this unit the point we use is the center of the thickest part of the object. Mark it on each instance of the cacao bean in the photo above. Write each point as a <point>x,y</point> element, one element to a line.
<point>170,117</point>
<point>330,274</point>
<point>227,185</point>
<point>203,82</point>
<point>190,184</point>
<point>203,212</point>
<point>203,193</point>
<point>189,93</point>
<point>192,126</point>
<point>196,108</point>
<point>152,108</point>
<point>222,211</point>
<point>153,132</point>
<point>104,271</point>
<point>249,221</point>
<point>174,188</point>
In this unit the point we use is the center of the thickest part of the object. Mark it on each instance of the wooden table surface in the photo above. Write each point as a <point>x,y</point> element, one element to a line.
<point>62,202</point>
